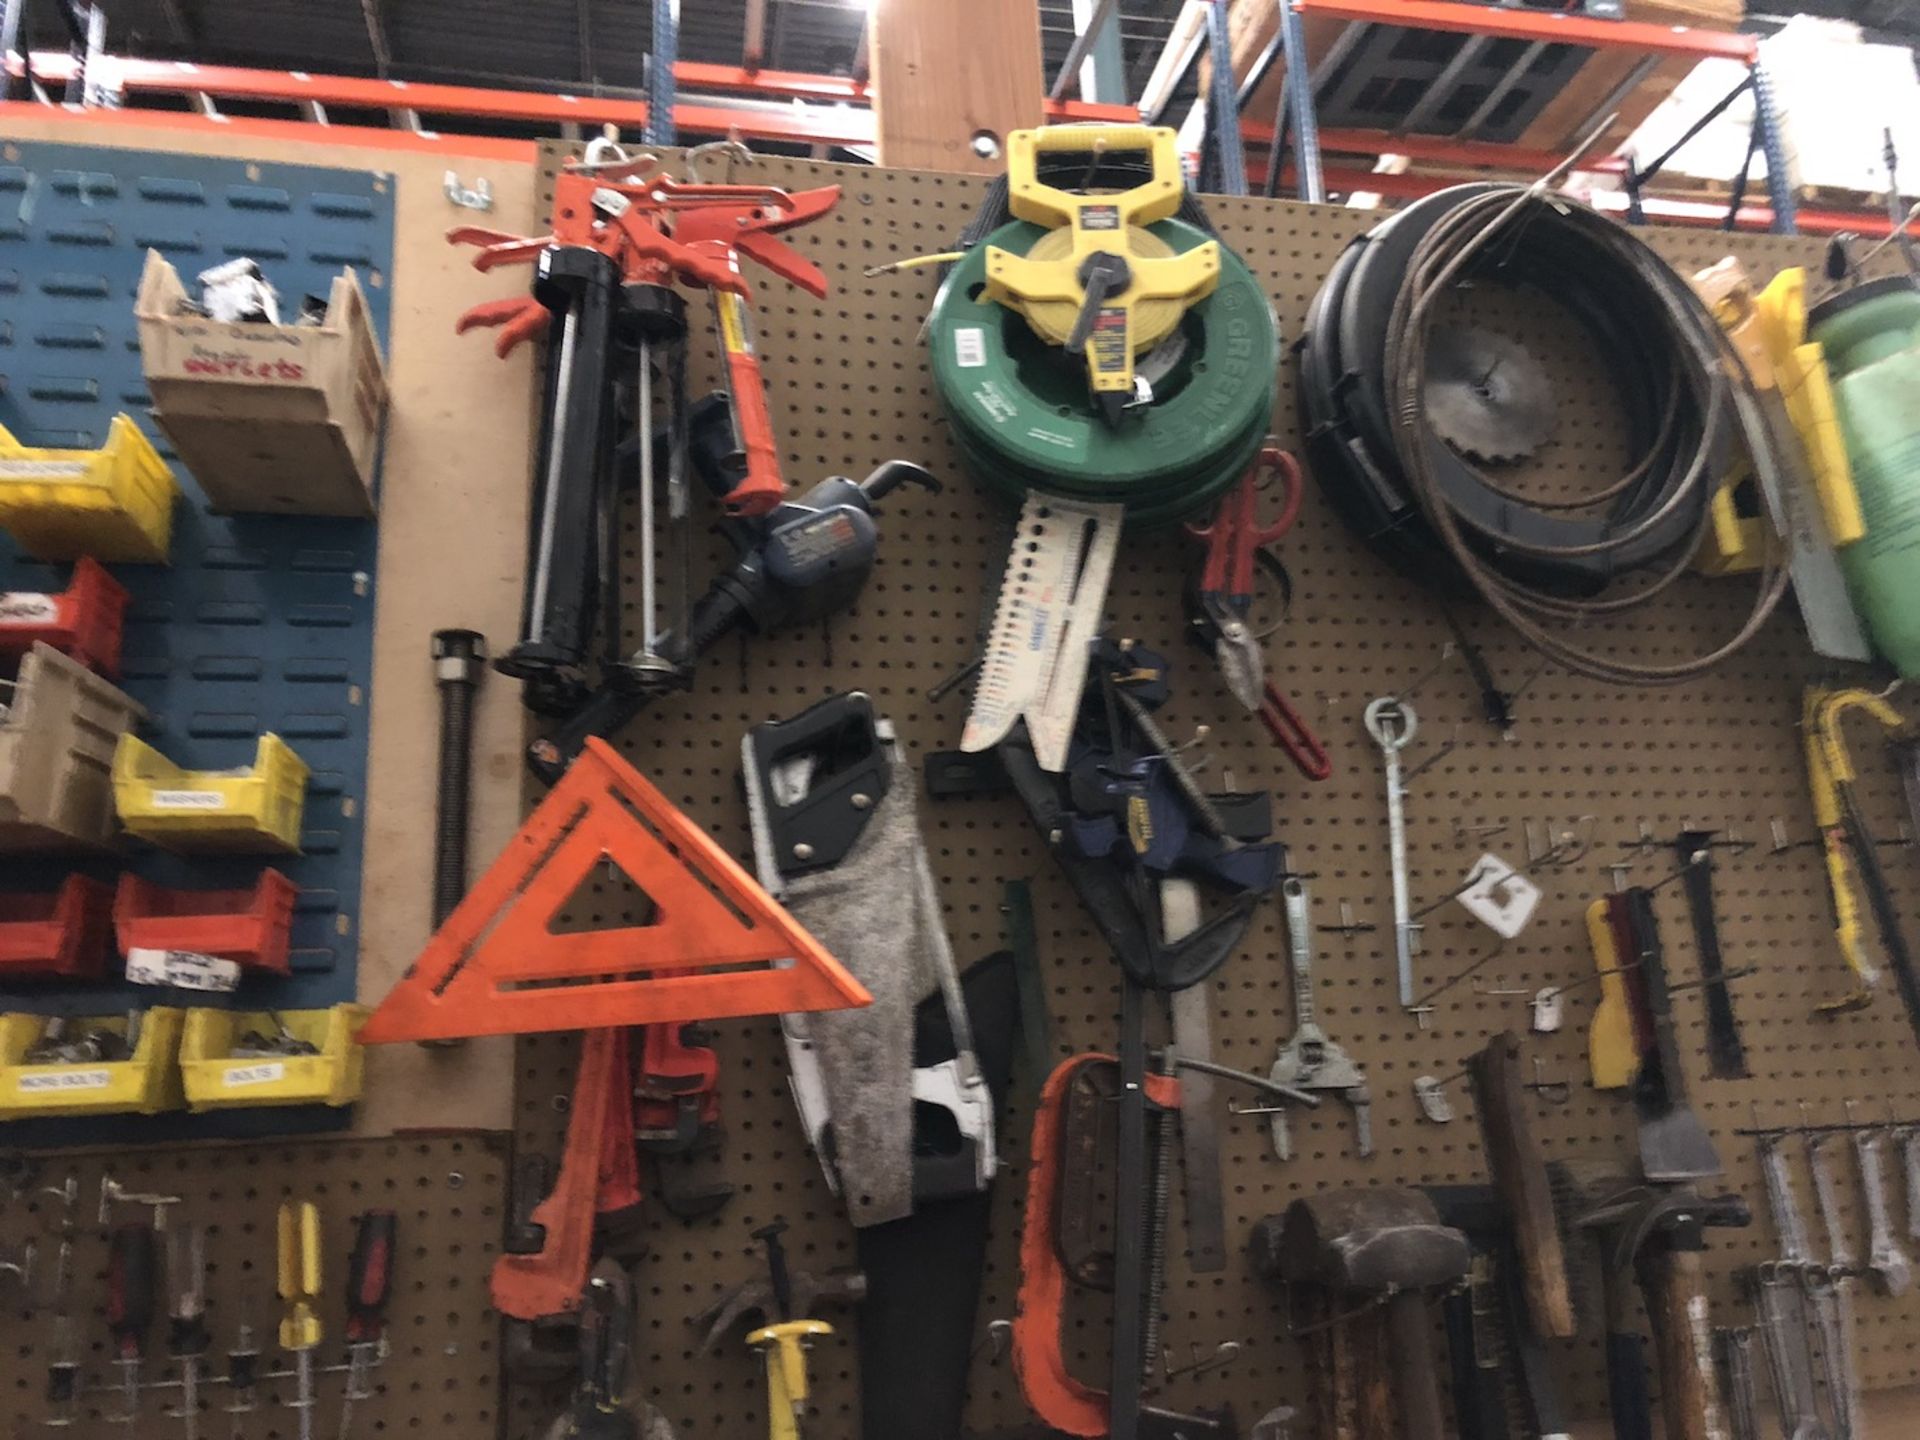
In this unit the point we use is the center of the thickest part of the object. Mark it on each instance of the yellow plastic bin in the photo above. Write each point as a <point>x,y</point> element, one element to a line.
<point>218,1080</point>
<point>114,503</point>
<point>253,809</point>
<point>146,1084</point>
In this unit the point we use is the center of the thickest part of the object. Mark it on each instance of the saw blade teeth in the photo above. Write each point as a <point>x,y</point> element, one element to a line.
<point>998,696</point>
<point>1051,599</point>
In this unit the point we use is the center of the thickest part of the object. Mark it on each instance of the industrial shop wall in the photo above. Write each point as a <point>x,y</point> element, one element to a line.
<point>452,549</point>
<point>847,380</point>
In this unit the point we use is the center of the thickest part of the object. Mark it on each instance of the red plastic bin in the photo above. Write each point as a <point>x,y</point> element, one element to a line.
<point>84,621</point>
<point>65,934</point>
<point>248,927</point>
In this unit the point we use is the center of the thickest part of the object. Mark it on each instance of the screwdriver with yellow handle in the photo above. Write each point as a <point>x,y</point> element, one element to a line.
<point>298,1253</point>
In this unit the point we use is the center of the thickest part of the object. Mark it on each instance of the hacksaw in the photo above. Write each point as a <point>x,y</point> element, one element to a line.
<point>1048,613</point>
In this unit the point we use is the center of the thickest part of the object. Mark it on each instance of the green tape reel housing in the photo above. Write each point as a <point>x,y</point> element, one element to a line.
<point>1024,419</point>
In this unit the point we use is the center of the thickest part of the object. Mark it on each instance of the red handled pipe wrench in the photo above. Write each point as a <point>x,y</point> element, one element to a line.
<point>661,230</point>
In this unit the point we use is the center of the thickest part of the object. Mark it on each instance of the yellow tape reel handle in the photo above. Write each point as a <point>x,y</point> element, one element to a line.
<point>1110,223</point>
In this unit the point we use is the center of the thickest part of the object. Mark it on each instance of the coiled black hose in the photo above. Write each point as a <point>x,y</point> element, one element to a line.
<point>1542,566</point>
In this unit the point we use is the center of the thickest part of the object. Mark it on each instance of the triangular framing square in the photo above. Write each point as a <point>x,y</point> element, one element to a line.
<point>720,947</point>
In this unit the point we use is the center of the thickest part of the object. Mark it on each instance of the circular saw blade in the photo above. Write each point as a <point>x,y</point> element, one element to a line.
<point>1486,396</point>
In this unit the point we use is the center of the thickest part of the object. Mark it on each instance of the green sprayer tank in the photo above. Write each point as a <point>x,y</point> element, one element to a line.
<point>1871,335</point>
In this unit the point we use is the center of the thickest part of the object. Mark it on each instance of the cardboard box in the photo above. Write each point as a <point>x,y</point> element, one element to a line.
<point>271,419</point>
<point>57,739</point>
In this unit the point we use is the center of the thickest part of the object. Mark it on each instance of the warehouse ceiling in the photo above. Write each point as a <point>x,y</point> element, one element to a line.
<point>576,45</point>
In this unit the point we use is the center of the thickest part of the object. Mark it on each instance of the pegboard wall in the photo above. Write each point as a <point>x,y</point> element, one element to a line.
<point>441,1375</point>
<point>848,385</point>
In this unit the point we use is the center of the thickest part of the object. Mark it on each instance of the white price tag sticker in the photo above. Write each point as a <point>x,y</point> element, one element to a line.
<point>183,969</point>
<point>21,608</point>
<point>13,469</point>
<point>65,1080</point>
<point>264,1073</point>
<point>188,800</point>
<point>1499,896</point>
<point>969,347</point>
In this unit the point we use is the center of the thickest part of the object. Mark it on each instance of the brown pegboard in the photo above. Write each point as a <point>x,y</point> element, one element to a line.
<point>848,384</point>
<point>441,1376</point>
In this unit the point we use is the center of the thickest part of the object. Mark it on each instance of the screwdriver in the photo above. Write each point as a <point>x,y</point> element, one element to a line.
<point>187,1334</point>
<point>298,1235</point>
<point>369,1283</point>
<point>130,1262</point>
<point>63,1372</point>
<point>243,1369</point>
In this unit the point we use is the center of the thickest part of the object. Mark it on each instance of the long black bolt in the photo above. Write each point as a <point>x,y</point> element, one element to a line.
<point>459,660</point>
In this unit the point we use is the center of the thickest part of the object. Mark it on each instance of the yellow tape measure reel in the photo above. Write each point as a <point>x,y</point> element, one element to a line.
<point>1101,282</point>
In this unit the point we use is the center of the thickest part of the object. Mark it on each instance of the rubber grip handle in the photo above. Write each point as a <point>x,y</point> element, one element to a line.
<point>370,1273</point>
<point>1629,1400</point>
<point>130,1279</point>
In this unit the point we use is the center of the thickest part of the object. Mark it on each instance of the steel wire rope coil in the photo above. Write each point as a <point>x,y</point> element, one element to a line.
<point>1539,563</point>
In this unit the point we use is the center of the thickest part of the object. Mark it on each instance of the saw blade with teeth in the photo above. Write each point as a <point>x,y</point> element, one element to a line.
<point>1049,612</point>
<point>1486,396</point>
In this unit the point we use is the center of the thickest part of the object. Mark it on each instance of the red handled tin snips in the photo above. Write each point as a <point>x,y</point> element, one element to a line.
<point>1220,605</point>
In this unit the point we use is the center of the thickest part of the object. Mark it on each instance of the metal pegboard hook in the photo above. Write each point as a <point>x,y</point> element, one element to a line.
<point>1406,693</point>
<point>1562,849</point>
<point>112,1193</point>
<point>1422,1009</point>
<point>730,150</point>
<point>1452,743</point>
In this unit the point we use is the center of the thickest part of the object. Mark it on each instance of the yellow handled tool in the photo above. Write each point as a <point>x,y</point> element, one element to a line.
<point>1830,772</point>
<point>297,1254</point>
<point>1611,1054</point>
<point>784,1347</point>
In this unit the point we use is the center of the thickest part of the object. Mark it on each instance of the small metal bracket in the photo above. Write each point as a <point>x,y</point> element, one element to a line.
<point>112,1193</point>
<point>480,197</point>
<point>1431,1095</point>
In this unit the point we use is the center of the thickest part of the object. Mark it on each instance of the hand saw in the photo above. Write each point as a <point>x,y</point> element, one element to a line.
<point>1049,611</point>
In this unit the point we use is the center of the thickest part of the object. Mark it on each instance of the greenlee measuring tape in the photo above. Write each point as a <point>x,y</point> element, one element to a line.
<point>1024,419</point>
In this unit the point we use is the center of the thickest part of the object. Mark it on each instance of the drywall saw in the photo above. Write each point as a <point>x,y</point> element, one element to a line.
<point>1103,360</point>
<point>831,800</point>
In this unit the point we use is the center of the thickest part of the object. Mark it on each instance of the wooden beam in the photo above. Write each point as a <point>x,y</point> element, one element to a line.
<point>951,80</point>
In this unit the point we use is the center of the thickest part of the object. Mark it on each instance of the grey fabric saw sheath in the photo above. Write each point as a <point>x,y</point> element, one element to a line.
<point>857,911</point>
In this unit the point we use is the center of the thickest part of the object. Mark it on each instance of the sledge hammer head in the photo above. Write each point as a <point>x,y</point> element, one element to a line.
<point>1370,1240</point>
